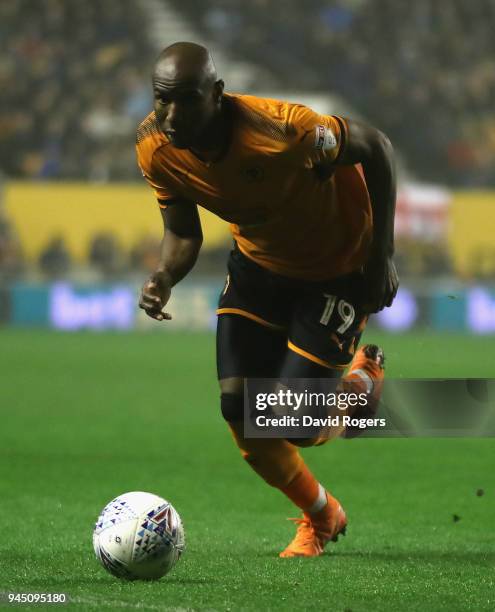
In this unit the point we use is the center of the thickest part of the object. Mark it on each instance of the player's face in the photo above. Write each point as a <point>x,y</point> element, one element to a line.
<point>183,111</point>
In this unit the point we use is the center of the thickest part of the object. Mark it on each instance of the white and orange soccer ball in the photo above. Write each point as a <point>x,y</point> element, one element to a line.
<point>138,536</point>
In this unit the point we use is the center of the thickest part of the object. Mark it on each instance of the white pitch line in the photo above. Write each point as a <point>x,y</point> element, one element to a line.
<point>105,603</point>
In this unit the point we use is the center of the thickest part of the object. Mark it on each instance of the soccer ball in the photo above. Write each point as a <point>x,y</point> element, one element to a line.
<point>138,536</point>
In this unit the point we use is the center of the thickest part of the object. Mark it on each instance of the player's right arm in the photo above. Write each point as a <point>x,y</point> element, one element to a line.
<point>180,247</point>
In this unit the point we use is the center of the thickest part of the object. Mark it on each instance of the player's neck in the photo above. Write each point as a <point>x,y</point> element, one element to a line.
<point>215,140</point>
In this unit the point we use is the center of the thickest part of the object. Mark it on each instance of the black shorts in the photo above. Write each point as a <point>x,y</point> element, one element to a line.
<point>320,321</point>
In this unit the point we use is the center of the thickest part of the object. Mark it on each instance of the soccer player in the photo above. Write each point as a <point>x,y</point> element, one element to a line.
<point>310,201</point>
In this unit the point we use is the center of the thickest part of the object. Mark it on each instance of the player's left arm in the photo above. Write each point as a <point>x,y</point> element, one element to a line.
<point>369,147</point>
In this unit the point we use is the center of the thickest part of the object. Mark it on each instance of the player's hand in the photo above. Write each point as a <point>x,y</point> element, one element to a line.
<point>381,283</point>
<point>155,294</point>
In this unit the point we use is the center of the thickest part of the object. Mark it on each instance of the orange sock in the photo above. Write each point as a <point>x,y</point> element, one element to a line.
<point>279,463</point>
<point>306,492</point>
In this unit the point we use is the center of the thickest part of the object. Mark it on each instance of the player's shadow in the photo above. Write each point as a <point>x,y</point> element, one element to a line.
<point>67,582</point>
<point>429,556</point>
<point>197,581</point>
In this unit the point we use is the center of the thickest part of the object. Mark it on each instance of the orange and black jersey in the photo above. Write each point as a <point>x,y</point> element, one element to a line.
<point>291,209</point>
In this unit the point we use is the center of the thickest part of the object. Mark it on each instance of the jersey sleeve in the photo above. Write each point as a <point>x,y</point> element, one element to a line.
<point>319,139</point>
<point>155,180</point>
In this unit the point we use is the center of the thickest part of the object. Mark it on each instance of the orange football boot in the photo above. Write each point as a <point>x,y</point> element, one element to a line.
<point>365,374</point>
<point>367,367</point>
<point>316,530</point>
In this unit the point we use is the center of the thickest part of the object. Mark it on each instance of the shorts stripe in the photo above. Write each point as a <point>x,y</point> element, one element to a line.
<point>317,360</point>
<point>249,315</point>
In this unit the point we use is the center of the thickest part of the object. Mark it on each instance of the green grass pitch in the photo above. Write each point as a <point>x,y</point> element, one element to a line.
<point>86,417</point>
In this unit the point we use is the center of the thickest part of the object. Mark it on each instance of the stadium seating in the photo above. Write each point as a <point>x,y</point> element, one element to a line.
<point>75,78</point>
<point>423,71</point>
<point>75,82</point>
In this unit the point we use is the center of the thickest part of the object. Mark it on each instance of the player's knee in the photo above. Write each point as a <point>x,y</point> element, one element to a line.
<point>232,406</point>
<point>233,385</point>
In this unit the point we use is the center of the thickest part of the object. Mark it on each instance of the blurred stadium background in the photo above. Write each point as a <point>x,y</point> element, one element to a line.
<point>79,229</point>
<point>87,416</point>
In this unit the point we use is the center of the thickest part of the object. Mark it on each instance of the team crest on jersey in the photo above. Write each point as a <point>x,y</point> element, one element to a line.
<point>253,174</point>
<point>324,138</point>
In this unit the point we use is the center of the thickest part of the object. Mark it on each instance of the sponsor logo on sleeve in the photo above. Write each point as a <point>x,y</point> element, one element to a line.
<point>324,138</point>
<point>319,136</point>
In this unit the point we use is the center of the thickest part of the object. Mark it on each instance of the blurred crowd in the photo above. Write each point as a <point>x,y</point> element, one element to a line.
<point>74,77</point>
<point>422,71</point>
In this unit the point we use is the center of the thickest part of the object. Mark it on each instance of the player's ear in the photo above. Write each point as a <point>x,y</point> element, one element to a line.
<point>218,90</point>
